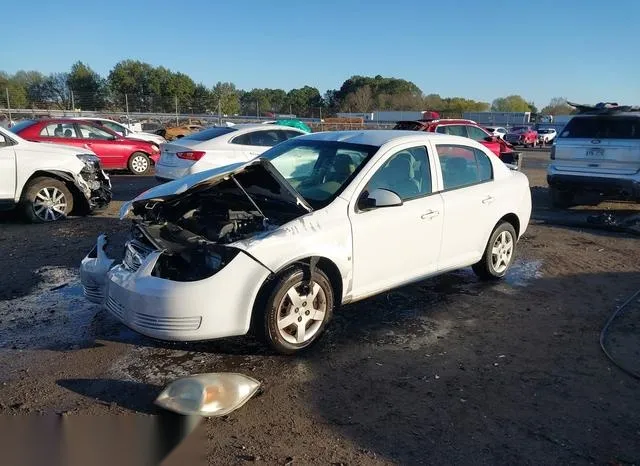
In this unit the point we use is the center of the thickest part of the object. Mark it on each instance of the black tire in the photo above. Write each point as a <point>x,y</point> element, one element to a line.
<point>139,163</point>
<point>35,194</point>
<point>268,311</point>
<point>486,269</point>
<point>560,199</point>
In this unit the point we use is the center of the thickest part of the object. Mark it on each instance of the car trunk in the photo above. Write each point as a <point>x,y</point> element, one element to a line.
<point>599,144</point>
<point>169,151</point>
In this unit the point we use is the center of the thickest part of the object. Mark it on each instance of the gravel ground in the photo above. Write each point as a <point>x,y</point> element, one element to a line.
<point>449,370</point>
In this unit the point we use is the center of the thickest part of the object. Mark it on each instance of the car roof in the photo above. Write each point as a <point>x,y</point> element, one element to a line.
<point>371,137</point>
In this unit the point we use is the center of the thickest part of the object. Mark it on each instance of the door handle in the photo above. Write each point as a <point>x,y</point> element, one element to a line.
<point>429,215</point>
<point>488,200</point>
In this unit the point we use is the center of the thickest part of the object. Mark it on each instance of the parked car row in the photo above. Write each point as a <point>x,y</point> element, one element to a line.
<point>469,129</point>
<point>114,150</point>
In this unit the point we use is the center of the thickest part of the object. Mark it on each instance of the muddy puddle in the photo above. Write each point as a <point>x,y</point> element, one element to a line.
<point>56,316</point>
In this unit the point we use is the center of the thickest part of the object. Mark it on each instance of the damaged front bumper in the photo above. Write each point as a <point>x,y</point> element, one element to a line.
<point>95,185</point>
<point>215,307</point>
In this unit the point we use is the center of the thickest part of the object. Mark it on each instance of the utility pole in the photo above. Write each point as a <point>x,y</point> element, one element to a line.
<point>177,124</point>
<point>257,109</point>
<point>73,102</point>
<point>126,103</point>
<point>219,113</point>
<point>8,106</point>
<point>321,125</point>
<point>290,110</point>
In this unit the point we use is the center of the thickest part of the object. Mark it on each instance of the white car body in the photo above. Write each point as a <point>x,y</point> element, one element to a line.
<point>547,135</point>
<point>497,131</point>
<point>223,148</point>
<point>126,131</point>
<point>596,154</point>
<point>365,251</point>
<point>22,161</point>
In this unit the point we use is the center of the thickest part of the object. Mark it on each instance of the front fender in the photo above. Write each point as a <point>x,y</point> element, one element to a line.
<point>324,233</point>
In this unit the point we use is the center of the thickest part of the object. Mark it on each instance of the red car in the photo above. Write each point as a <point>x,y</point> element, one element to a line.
<point>114,151</point>
<point>522,135</point>
<point>468,129</point>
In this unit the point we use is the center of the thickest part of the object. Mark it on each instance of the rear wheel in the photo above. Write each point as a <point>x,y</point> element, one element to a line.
<point>46,200</point>
<point>498,255</point>
<point>297,310</point>
<point>139,163</point>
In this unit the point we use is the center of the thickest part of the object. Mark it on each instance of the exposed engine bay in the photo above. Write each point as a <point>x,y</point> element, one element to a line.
<point>192,229</point>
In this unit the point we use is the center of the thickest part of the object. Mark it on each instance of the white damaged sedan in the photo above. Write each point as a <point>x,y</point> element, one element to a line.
<point>277,243</point>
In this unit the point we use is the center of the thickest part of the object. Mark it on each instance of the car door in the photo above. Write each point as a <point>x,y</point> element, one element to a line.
<point>400,244</point>
<point>478,134</point>
<point>103,144</point>
<point>60,133</point>
<point>7,170</point>
<point>470,202</point>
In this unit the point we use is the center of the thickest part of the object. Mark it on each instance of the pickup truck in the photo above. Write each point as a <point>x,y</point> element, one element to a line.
<point>49,181</point>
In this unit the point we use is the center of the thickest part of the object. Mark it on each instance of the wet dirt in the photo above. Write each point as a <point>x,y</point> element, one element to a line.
<point>450,370</point>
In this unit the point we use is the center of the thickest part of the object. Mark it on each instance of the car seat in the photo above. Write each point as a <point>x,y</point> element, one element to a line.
<point>398,177</point>
<point>57,132</point>
<point>68,133</point>
<point>457,173</point>
<point>342,168</point>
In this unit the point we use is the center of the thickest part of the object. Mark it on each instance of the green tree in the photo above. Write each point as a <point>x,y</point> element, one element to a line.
<point>512,103</point>
<point>89,89</point>
<point>227,97</point>
<point>201,100</point>
<point>304,101</point>
<point>558,106</point>
<point>52,92</point>
<point>137,81</point>
<point>18,94</point>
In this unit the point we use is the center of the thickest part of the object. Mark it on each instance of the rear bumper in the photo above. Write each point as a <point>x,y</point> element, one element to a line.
<point>615,187</point>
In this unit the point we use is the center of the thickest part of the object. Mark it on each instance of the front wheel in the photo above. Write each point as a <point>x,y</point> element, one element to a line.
<point>297,310</point>
<point>139,163</point>
<point>498,255</point>
<point>46,200</point>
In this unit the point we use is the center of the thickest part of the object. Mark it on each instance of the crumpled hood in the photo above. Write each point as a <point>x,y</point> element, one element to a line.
<point>208,178</point>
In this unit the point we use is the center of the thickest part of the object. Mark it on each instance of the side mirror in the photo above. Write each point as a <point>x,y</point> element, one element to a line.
<point>491,139</point>
<point>379,197</point>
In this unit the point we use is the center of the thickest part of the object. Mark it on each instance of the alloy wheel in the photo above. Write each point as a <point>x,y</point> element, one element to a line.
<point>301,312</point>
<point>502,252</point>
<point>50,204</point>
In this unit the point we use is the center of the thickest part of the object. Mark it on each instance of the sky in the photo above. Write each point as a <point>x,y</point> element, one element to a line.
<point>587,51</point>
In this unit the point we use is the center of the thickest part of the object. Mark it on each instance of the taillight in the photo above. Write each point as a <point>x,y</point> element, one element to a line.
<point>194,155</point>
<point>553,152</point>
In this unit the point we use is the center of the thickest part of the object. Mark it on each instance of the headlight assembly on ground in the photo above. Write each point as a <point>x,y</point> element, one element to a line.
<point>214,394</point>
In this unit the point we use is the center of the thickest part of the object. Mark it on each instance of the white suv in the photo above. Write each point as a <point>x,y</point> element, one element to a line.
<point>49,181</point>
<point>597,153</point>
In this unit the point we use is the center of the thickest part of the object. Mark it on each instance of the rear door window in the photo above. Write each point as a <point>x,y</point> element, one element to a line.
<point>602,127</point>
<point>463,166</point>
<point>453,130</point>
<point>476,133</point>
<point>59,130</point>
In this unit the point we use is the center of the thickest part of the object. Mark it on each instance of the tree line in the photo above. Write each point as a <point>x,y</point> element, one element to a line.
<point>140,87</point>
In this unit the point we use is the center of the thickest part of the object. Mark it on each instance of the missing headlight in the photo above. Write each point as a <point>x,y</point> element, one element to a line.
<point>193,265</point>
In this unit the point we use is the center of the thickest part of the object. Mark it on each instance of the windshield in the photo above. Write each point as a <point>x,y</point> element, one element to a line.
<point>544,131</point>
<point>518,129</point>
<point>602,127</point>
<point>20,126</point>
<point>319,170</point>
<point>209,133</point>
